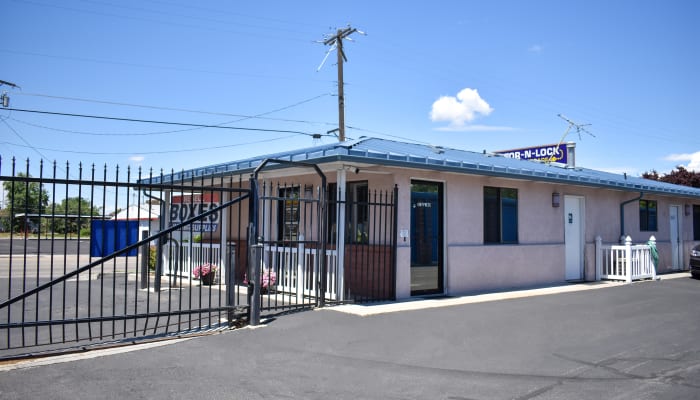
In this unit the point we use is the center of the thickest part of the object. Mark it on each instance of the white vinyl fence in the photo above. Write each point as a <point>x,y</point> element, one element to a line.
<point>625,262</point>
<point>180,260</point>
<point>297,274</point>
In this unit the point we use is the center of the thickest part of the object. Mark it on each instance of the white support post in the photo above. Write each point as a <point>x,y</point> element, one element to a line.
<point>301,263</point>
<point>598,257</point>
<point>652,245</point>
<point>628,259</point>
<point>340,229</point>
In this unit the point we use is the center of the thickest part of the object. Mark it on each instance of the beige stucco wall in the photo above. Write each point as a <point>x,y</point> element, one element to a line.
<point>539,257</point>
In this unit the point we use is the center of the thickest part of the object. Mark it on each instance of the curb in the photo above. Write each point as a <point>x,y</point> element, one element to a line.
<point>423,303</point>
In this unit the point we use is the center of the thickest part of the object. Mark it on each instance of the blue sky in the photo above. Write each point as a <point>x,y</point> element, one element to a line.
<point>465,74</point>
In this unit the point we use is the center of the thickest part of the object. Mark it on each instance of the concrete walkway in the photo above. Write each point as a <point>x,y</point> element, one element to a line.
<point>426,303</point>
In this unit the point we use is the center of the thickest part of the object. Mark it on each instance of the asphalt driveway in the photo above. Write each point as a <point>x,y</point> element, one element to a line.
<point>620,342</point>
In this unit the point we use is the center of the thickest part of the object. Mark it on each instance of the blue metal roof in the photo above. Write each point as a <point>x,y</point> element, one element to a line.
<point>410,155</point>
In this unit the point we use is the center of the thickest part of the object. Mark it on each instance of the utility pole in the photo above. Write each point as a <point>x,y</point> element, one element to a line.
<point>5,99</point>
<point>336,43</point>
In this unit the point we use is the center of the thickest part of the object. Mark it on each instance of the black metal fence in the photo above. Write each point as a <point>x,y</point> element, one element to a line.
<point>86,256</point>
<point>89,256</point>
<point>308,257</point>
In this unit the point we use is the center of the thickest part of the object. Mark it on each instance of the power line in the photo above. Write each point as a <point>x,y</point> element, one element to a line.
<point>136,120</point>
<point>242,117</point>
<point>190,16</point>
<point>162,67</point>
<point>118,153</point>
<point>24,140</point>
<point>162,22</point>
<point>163,108</point>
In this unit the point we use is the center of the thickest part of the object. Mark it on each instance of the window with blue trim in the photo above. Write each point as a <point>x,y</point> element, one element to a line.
<point>500,215</point>
<point>647,215</point>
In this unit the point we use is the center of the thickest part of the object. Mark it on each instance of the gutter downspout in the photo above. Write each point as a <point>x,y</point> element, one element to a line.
<point>622,214</point>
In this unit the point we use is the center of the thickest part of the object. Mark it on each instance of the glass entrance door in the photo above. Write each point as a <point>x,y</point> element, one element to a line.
<point>426,237</point>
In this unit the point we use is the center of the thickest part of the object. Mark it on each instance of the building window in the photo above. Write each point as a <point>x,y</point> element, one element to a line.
<point>696,222</point>
<point>356,212</point>
<point>288,214</point>
<point>500,215</point>
<point>647,215</point>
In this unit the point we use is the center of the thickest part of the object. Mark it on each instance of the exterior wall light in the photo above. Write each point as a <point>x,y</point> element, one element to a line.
<point>556,199</point>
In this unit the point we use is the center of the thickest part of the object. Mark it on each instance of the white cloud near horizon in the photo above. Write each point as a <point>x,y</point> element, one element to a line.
<point>460,110</point>
<point>535,48</point>
<point>474,128</point>
<point>693,160</point>
<point>137,159</point>
<point>630,171</point>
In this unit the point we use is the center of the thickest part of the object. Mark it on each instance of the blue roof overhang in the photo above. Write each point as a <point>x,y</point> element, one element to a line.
<point>421,157</point>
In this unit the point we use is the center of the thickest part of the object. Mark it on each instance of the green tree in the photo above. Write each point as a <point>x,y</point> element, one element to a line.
<point>24,197</point>
<point>73,210</point>
<point>679,176</point>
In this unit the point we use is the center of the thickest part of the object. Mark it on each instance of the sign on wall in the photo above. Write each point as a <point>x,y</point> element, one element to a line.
<point>549,153</point>
<point>188,206</point>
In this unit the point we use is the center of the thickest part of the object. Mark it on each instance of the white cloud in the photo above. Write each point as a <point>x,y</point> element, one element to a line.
<point>693,160</point>
<point>474,128</point>
<point>535,48</point>
<point>630,171</point>
<point>460,110</point>
<point>137,159</point>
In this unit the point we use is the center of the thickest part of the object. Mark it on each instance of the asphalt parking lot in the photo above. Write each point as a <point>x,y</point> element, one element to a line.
<point>620,341</point>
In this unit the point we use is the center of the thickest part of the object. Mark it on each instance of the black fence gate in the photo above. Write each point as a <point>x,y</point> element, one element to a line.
<point>93,256</point>
<point>318,245</point>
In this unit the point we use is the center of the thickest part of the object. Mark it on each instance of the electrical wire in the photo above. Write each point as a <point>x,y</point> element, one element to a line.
<point>161,22</point>
<point>43,157</point>
<point>119,153</point>
<point>195,17</point>
<point>162,67</point>
<point>242,117</point>
<point>163,108</point>
<point>136,120</point>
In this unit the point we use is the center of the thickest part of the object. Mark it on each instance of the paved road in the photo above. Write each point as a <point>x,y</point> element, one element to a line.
<point>44,246</point>
<point>634,341</point>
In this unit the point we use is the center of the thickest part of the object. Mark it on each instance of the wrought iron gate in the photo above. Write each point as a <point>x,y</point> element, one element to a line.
<point>304,261</point>
<point>91,256</point>
<point>90,259</point>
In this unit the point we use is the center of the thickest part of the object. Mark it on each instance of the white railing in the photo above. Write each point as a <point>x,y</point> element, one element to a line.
<point>179,260</point>
<point>626,262</point>
<point>299,275</point>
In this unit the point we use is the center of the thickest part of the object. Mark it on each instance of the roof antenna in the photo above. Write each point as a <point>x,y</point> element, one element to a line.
<point>579,128</point>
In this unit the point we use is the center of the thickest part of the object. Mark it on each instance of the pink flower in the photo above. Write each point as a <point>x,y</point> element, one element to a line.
<point>203,270</point>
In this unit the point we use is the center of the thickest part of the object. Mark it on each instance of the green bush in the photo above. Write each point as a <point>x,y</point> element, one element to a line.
<point>152,257</point>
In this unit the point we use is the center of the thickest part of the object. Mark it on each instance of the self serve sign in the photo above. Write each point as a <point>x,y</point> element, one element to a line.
<point>185,207</point>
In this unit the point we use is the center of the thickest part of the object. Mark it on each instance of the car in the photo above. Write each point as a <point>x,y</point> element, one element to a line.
<point>695,262</point>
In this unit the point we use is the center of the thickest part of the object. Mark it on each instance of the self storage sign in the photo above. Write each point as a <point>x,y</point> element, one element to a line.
<point>188,206</point>
<point>550,152</point>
